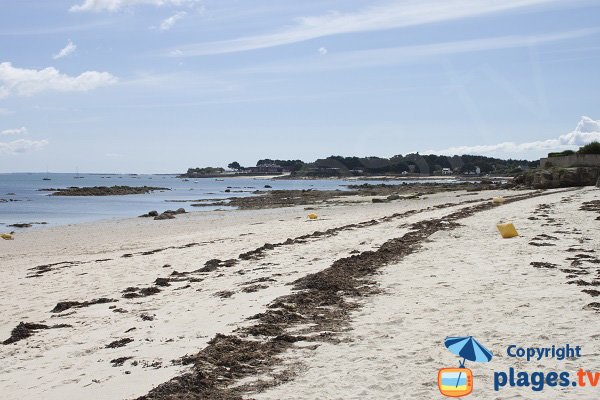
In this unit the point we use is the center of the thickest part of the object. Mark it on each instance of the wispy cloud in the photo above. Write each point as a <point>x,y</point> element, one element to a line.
<point>26,82</point>
<point>22,146</point>
<point>15,131</point>
<point>411,54</point>
<point>65,51</point>
<point>587,130</point>
<point>392,15</point>
<point>168,23</point>
<point>116,5</point>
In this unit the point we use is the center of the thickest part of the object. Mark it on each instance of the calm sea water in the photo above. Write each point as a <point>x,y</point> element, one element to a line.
<point>32,205</point>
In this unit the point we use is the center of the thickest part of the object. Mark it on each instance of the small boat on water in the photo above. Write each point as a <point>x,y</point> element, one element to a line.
<point>46,179</point>
<point>220,180</point>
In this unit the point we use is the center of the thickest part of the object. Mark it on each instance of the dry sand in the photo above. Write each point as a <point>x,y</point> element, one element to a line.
<point>463,281</point>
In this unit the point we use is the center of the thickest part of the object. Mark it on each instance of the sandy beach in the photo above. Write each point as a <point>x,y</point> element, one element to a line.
<point>352,305</point>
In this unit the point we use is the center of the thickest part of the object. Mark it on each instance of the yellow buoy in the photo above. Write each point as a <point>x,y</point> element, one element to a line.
<point>312,216</point>
<point>507,230</point>
<point>6,236</point>
<point>498,200</point>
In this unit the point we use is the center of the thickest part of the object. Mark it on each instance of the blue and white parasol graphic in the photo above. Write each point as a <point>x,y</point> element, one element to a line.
<point>468,348</point>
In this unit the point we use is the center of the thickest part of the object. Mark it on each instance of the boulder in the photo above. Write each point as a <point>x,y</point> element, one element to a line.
<point>164,216</point>
<point>559,177</point>
<point>150,214</point>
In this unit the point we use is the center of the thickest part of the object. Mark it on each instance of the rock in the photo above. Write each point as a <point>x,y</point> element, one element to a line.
<point>227,190</point>
<point>377,200</point>
<point>152,213</point>
<point>268,187</point>
<point>20,225</point>
<point>393,197</point>
<point>178,211</point>
<point>164,216</point>
<point>559,177</point>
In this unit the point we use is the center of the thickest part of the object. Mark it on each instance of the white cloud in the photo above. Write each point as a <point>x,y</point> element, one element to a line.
<point>587,131</point>
<point>392,15</point>
<point>22,146</point>
<point>16,131</point>
<point>65,51</point>
<point>26,82</point>
<point>322,51</point>
<point>168,23</point>
<point>116,5</point>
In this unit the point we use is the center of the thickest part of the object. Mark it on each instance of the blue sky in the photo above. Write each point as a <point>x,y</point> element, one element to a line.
<point>163,85</point>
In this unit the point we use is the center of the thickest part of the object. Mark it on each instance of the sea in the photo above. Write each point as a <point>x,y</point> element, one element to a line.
<point>24,200</point>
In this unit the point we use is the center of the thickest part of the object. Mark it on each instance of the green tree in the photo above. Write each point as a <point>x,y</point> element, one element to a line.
<point>590,148</point>
<point>235,165</point>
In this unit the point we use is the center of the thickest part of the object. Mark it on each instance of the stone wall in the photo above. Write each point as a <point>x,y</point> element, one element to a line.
<point>575,160</point>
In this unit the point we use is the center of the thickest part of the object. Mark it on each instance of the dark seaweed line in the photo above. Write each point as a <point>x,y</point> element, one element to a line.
<point>260,252</point>
<point>320,299</point>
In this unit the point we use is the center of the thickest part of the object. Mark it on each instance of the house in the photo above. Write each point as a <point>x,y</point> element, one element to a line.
<point>446,171</point>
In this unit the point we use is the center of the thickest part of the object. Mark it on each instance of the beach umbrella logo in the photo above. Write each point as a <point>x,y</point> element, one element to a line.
<point>458,382</point>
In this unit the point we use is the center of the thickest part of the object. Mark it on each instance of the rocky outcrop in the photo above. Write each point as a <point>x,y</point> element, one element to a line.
<point>103,190</point>
<point>559,177</point>
<point>168,214</point>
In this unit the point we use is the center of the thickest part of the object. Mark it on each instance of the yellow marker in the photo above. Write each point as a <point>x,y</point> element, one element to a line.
<point>6,236</point>
<point>507,230</point>
<point>312,216</point>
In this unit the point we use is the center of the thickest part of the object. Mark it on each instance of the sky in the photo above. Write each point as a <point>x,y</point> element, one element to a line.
<point>158,86</point>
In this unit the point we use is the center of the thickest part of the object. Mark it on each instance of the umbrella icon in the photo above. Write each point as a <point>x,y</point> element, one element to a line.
<point>468,348</point>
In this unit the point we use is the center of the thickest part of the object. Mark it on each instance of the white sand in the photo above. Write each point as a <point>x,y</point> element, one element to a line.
<point>396,338</point>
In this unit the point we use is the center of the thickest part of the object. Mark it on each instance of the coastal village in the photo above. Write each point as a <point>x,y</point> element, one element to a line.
<point>568,168</point>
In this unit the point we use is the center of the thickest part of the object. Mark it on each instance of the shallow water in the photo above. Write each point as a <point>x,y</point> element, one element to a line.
<point>31,205</point>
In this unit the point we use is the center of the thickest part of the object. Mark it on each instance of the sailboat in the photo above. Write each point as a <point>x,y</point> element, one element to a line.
<point>77,176</point>
<point>45,178</point>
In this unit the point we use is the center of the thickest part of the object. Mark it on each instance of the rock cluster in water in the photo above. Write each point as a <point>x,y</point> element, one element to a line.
<point>168,214</point>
